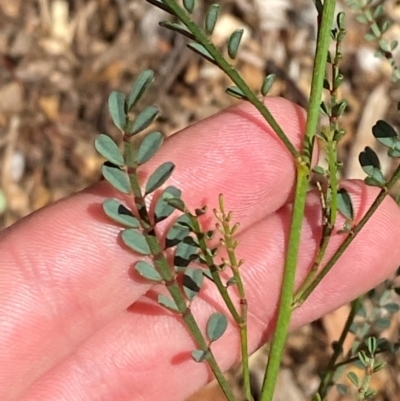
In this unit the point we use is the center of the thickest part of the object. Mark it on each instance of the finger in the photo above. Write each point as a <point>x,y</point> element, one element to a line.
<point>65,272</point>
<point>146,353</point>
<point>237,154</point>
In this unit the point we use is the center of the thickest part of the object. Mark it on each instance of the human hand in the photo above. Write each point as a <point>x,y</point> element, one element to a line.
<point>78,324</point>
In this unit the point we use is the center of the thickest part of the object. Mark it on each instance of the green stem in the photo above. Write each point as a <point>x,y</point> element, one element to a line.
<point>232,73</point>
<point>241,318</point>
<point>328,195</point>
<point>349,239</point>
<point>286,296</point>
<point>338,350</point>
<point>303,169</point>
<point>163,267</point>
<point>230,244</point>
<point>209,261</point>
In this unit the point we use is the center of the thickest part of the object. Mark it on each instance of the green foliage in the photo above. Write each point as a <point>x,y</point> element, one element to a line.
<point>199,355</point>
<point>387,136</point>
<point>234,42</point>
<point>189,5</point>
<point>116,106</point>
<point>201,51</point>
<point>163,209</point>
<point>267,84</point>
<point>236,92</point>
<point>159,177</point>
<point>139,88</point>
<point>116,177</point>
<point>147,271</point>
<point>109,150</point>
<point>192,282</point>
<point>120,213</point>
<point>373,15</point>
<point>211,18</point>
<point>372,167</point>
<point>216,326</point>
<point>171,252</point>
<point>136,241</point>
<point>167,303</point>
<point>176,234</point>
<point>184,254</point>
<point>144,119</point>
<point>149,147</point>
<point>345,205</point>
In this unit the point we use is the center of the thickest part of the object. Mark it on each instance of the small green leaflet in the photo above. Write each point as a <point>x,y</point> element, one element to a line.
<point>120,213</point>
<point>135,240</point>
<point>116,177</point>
<point>148,271</point>
<point>116,106</point>
<point>140,86</point>
<point>216,326</point>
<point>109,150</point>
<point>160,175</point>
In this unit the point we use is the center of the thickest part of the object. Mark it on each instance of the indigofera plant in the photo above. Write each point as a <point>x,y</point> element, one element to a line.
<point>194,259</point>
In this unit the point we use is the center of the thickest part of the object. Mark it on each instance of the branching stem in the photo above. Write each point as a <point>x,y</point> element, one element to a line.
<point>303,170</point>
<point>232,73</point>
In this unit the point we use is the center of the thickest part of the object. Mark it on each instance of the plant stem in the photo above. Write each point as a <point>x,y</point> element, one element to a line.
<point>240,319</point>
<point>230,244</point>
<point>286,296</point>
<point>337,351</point>
<point>329,195</point>
<point>209,261</point>
<point>232,73</point>
<point>163,267</point>
<point>349,239</point>
<point>303,170</point>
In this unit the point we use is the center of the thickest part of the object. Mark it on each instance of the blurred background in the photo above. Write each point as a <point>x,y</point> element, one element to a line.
<point>60,59</point>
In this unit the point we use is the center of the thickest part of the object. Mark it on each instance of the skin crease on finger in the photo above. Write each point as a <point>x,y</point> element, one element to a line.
<point>145,353</point>
<point>63,287</point>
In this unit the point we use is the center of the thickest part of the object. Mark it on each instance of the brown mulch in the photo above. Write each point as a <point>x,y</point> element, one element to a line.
<point>60,59</point>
